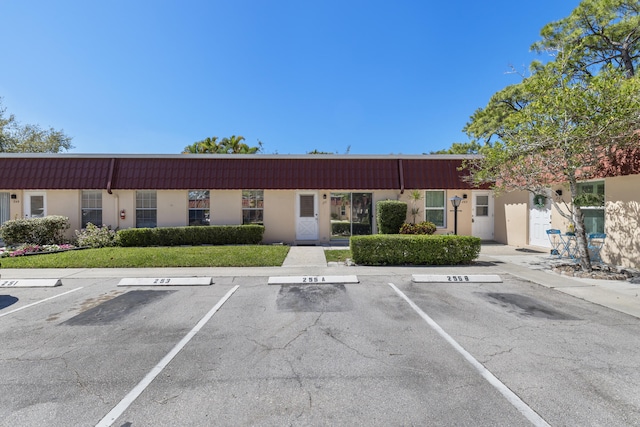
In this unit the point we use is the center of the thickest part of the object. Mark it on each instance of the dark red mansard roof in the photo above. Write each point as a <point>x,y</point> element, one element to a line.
<point>227,172</point>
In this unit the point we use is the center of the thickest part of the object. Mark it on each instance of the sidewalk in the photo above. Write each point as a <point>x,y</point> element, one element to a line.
<point>305,256</point>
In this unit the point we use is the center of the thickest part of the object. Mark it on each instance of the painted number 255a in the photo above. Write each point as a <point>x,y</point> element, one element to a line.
<point>312,279</point>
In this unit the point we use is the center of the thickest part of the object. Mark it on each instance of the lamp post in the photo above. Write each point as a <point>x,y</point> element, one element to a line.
<point>455,202</point>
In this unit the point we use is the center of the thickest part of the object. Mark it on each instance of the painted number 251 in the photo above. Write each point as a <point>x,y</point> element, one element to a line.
<point>9,283</point>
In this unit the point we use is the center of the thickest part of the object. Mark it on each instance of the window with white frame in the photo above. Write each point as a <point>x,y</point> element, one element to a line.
<point>252,206</point>
<point>591,199</point>
<point>146,209</point>
<point>199,207</point>
<point>91,208</point>
<point>434,207</point>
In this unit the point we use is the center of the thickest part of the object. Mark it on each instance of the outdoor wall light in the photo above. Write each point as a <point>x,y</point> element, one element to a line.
<point>464,196</point>
<point>455,202</point>
<point>324,197</point>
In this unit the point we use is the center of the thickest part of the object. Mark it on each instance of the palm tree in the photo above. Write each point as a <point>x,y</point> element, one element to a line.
<point>234,145</point>
<point>207,145</point>
<point>231,145</point>
<point>415,196</point>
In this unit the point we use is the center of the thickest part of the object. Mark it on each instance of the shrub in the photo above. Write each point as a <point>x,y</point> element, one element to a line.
<point>48,230</point>
<point>414,249</point>
<point>96,237</point>
<point>391,214</point>
<point>424,227</point>
<point>192,235</point>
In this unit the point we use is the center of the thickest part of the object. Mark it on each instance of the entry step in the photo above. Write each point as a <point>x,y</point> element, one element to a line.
<point>312,280</point>
<point>30,283</point>
<point>166,281</point>
<point>456,278</point>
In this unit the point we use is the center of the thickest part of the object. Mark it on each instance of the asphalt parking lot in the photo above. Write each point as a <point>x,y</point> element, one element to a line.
<point>384,351</point>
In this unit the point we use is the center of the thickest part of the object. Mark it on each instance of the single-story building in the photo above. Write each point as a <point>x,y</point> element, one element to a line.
<point>300,199</point>
<point>304,199</point>
<point>522,218</point>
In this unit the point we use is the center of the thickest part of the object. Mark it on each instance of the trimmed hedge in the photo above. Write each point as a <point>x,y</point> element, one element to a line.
<point>48,230</point>
<point>404,249</point>
<point>193,235</point>
<point>391,214</point>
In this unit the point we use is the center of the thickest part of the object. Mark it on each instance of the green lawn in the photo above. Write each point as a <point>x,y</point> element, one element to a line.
<point>337,255</point>
<point>191,256</point>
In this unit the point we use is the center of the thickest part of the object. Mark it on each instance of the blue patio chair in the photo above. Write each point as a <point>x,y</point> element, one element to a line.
<point>595,242</point>
<point>557,242</point>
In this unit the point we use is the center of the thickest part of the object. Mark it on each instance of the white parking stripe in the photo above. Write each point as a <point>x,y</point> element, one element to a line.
<point>524,409</point>
<point>142,385</point>
<point>41,301</point>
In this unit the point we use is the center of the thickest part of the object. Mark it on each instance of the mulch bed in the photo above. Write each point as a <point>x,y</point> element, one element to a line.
<point>602,272</point>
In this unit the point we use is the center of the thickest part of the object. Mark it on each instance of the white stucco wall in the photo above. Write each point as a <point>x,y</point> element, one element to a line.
<point>512,218</point>
<point>622,221</point>
<point>226,207</point>
<point>280,216</point>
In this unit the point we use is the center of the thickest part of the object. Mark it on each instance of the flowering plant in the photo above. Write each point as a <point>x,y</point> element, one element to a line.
<point>96,237</point>
<point>33,249</point>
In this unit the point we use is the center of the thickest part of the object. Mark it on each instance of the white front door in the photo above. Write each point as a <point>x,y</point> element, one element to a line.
<point>35,205</point>
<point>482,215</point>
<point>539,222</point>
<point>307,216</point>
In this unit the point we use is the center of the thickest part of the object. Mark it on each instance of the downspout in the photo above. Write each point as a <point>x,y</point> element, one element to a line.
<point>401,176</point>
<point>116,199</point>
<point>110,177</point>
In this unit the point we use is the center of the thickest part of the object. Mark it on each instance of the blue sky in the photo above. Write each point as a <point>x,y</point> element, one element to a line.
<point>374,77</point>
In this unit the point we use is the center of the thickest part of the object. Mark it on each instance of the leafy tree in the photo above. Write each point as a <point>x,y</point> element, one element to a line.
<point>597,33</point>
<point>488,123</point>
<point>316,151</point>
<point>571,118</point>
<point>565,133</point>
<point>471,147</point>
<point>18,138</point>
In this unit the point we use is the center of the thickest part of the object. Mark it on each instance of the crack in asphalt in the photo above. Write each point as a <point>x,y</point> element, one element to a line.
<point>288,343</point>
